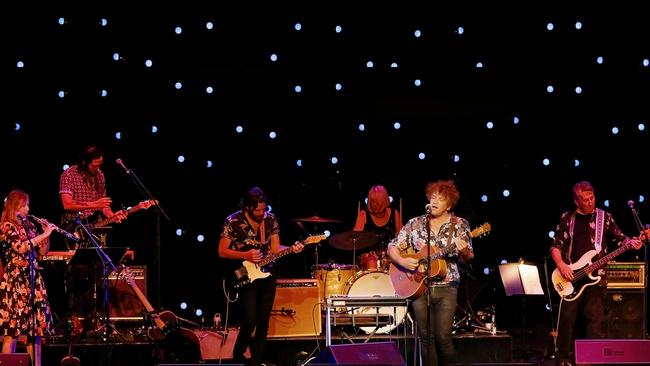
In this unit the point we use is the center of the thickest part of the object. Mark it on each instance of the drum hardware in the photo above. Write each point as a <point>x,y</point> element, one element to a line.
<point>353,240</point>
<point>317,219</point>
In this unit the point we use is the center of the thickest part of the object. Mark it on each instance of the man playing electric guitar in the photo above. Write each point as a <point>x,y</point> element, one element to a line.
<point>249,235</point>
<point>579,234</point>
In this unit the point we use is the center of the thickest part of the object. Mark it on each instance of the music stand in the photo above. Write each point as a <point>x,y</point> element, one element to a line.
<point>93,258</point>
<point>521,279</point>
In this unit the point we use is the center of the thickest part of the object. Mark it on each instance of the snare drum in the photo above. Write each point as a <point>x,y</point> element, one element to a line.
<point>369,261</point>
<point>375,283</point>
<point>332,278</point>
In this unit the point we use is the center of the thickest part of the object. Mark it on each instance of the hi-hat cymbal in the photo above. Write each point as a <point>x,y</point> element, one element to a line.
<point>316,219</point>
<point>353,240</point>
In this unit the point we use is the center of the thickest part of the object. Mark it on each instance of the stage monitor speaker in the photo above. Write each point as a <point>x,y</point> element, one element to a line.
<point>371,353</point>
<point>296,310</point>
<point>15,359</point>
<point>612,351</point>
<point>625,317</point>
<point>124,303</point>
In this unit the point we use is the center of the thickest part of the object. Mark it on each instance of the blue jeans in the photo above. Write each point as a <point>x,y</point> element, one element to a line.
<point>440,305</point>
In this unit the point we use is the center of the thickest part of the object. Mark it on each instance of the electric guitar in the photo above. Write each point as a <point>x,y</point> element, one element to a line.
<point>585,271</point>
<point>250,271</point>
<point>165,322</point>
<point>140,206</point>
<point>411,283</point>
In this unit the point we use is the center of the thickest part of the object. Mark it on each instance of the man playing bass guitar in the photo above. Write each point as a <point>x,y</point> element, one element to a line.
<point>441,232</point>
<point>250,234</point>
<point>580,234</point>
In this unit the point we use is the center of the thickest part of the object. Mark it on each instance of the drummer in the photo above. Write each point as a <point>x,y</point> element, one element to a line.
<point>380,218</point>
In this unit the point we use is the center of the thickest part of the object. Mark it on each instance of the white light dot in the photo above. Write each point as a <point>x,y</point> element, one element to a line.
<point>515,120</point>
<point>456,158</point>
<point>274,57</point>
<point>65,166</point>
<point>338,29</point>
<point>397,125</point>
<point>327,233</point>
<point>606,203</point>
<point>615,130</point>
<point>599,60</point>
<point>103,93</point>
<point>484,198</point>
<point>506,193</point>
<point>417,82</point>
<point>118,135</point>
<point>180,158</point>
<point>183,306</point>
<point>370,64</point>
<point>297,88</point>
<point>576,163</point>
<point>154,129</point>
<point>578,90</point>
<point>272,134</point>
<point>179,232</point>
<point>479,65</point>
<point>209,90</point>
<point>417,33</point>
<point>460,30</point>
<point>148,63</point>
<point>200,238</point>
<point>641,198</point>
<point>550,26</point>
<point>489,125</point>
<point>645,62</point>
<point>641,126</point>
<point>503,261</point>
<point>198,312</point>
<point>178,30</point>
<point>20,64</point>
<point>334,160</point>
<point>103,22</point>
<point>16,126</point>
<point>209,25</point>
<point>390,199</point>
<point>116,56</point>
<point>239,129</point>
<point>550,89</point>
<point>61,21</point>
<point>547,307</point>
<point>61,94</point>
<point>338,86</point>
<point>393,65</point>
<point>551,234</point>
<point>486,271</point>
<point>178,85</point>
<point>297,26</point>
<point>361,127</point>
<point>422,155</point>
<point>546,162</point>
<point>208,164</point>
<point>299,162</point>
<point>578,25</point>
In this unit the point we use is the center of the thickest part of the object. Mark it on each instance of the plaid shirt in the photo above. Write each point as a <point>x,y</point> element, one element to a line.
<point>83,188</point>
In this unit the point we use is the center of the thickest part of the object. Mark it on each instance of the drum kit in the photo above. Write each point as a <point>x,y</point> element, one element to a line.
<point>367,279</point>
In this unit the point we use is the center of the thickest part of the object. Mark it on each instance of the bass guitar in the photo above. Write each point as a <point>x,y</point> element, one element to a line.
<point>250,271</point>
<point>164,322</point>
<point>140,206</point>
<point>585,271</point>
<point>411,284</point>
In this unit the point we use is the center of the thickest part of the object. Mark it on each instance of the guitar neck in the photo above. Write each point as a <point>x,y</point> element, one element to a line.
<point>604,260</point>
<point>113,218</point>
<point>275,256</point>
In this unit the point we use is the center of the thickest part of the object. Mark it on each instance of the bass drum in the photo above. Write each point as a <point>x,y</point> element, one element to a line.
<point>375,284</point>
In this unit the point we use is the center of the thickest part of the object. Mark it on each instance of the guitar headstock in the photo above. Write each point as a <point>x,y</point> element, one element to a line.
<point>146,204</point>
<point>314,239</point>
<point>481,230</point>
<point>126,274</point>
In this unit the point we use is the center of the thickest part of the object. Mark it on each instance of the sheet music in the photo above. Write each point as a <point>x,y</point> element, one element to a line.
<point>530,279</point>
<point>520,279</point>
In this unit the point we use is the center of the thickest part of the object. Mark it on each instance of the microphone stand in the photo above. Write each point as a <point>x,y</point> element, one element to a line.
<point>32,281</point>
<point>107,267</point>
<point>640,226</point>
<point>427,281</point>
<point>145,192</point>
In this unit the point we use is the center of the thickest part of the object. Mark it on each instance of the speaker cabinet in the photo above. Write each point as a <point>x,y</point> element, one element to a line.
<point>371,353</point>
<point>625,317</point>
<point>296,311</point>
<point>15,359</point>
<point>612,351</point>
<point>124,303</point>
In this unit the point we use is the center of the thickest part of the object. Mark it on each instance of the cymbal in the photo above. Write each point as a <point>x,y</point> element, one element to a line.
<point>316,219</point>
<point>353,240</point>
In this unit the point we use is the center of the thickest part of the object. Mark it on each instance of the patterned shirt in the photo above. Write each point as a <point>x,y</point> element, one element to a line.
<point>83,188</point>
<point>413,238</point>
<point>244,237</point>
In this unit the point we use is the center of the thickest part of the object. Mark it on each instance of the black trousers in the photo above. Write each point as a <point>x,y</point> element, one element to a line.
<point>256,303</point>
<point>591,305</point>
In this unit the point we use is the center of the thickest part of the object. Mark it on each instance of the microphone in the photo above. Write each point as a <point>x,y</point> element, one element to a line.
<point>21,217</point>
<point>427,208</point>
<point>120,163</point>
<point>630,204</point>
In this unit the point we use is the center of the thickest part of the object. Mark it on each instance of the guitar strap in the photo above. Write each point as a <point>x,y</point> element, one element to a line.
<point>598,240</point>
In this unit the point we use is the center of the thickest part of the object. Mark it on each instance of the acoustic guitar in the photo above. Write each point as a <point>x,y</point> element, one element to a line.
<point>411,284</point>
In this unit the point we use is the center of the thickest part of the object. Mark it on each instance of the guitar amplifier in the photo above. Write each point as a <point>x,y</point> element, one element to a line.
<point>124,303</point>
<point>621,275</point>
<point>296,311</point>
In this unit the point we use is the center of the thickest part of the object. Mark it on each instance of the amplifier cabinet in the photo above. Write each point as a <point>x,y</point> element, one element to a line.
<point>625,316</point>
<point>296,310</point>
<point>124,303</point>
<point>622,275</point>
